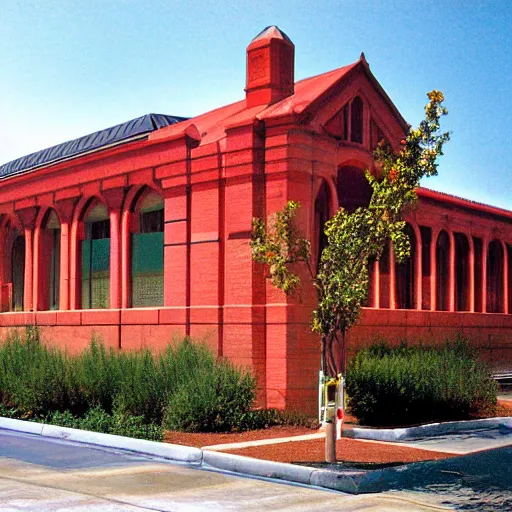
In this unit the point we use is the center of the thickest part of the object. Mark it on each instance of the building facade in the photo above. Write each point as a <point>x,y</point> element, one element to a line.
<point>140,233</point>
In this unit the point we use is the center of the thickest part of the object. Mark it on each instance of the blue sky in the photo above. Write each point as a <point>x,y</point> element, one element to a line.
<point>68,68</point>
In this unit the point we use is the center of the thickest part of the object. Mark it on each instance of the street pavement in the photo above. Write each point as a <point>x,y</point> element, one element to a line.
<point>463,443</point>
<point>48,474</point>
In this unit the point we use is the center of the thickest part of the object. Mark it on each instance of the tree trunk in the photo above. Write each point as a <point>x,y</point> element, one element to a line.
<point>323,361</point>
<point>330,442</point>
<point>343,355</point>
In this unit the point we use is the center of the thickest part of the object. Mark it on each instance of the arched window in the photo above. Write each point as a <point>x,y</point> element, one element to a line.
<point>147,249</point>
<point>356,120</point>
<point>353,188</point>
<point>495,280</point>
<point>406,276</point>
<point>442,271</point>
<point>321,217</point>
<point>426,241</point>
<point>95,256</point>
<point>509,256</point>
<point>478,272</point>
<point>384,278</point>
<point>461,272</point>
<point>18,272</point>
<point>49,262</point>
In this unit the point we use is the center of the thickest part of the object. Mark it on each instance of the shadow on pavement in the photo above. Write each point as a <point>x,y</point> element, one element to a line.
<point>479,481</point>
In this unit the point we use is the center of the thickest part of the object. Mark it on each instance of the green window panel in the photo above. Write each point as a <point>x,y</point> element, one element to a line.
<point>96,273</point>
<point>147,269</point>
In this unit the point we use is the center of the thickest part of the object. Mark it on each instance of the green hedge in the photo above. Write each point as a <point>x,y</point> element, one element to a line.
<point>415,384</point>
<point>186,382</point>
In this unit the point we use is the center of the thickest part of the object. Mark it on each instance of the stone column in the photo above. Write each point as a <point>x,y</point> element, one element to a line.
<point>451,274</point>
<point>27,218</point>
<point>506,298</point>
<point>392,278</point>
<point>65,209</point>
<point>125,259</point>
<point>36,273</point>
<point>433,270</point>
<point>418,268</point>
<point>376,284</point>
<point>114,198</point>
<point>471,274</point>
<point>485,250</point>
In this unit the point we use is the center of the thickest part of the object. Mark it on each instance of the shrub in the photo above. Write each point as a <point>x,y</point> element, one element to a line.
<point>264,418</point>
<point>217,399</point>
<point>113,391</point>
<point>415,384</point>
<point>118,423</point>
<point>35,378</point>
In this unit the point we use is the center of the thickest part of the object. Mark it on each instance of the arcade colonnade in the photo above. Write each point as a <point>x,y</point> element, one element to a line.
<point>106,251</point>
<point>449,270</point>
<point>103,251</point>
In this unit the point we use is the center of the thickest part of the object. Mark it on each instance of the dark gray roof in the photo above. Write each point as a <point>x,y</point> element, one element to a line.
<point>94,141</point>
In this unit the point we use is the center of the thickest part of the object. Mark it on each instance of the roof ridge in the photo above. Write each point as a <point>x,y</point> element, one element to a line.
<point>94,141</point>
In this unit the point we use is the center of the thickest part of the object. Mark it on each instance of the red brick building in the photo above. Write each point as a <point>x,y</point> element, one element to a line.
<point>141,232</point>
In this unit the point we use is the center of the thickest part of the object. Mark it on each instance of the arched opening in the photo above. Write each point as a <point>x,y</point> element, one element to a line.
<point>426,241</point>
<point>509,256</point>
<point>461,272</point>
<point>495,279</point>
<point>49,262</point>
<point>18,272</point>
<point>95,256</point>
<point>356,120</point>
<point>384,278</point>
<point>353,188</point>
<point>442,271</point>
<point>405,275</point>
<point>321,217</point>
<point>147,249</point>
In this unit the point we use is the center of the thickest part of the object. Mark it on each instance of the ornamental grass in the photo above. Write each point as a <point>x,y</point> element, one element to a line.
<point>416,384</point>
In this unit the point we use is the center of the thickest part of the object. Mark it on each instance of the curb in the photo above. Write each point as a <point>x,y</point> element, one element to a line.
<point>173,452</point>
<point>347,481</point>
<point>432,429</point>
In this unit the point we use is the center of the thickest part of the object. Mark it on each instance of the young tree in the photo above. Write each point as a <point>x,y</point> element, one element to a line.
<point>353,238</point>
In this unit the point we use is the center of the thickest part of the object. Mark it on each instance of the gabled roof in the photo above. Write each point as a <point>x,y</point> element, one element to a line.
<point>119,134</point>
<point>211,125</point>
<point>308,92</point>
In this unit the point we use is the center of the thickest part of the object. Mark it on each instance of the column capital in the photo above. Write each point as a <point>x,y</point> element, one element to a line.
<point>65,209</point>
<point>114,198</point>
<point>27,216</point>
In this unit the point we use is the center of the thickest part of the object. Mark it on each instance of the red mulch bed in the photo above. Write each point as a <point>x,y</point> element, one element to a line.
<point>504,408</point>
<point>348,450</point>
<point>200,440</point>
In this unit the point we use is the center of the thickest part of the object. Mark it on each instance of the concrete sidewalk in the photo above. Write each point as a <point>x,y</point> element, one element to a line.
<point>346,480</point>
<point>48,474</point>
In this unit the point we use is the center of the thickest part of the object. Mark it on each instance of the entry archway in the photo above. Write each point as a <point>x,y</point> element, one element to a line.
<point>18,272</point>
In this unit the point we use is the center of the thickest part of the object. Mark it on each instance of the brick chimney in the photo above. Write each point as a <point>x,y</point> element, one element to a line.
<point>270,67</point>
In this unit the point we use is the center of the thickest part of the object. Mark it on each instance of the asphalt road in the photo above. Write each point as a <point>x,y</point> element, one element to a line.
<point>45,474</point>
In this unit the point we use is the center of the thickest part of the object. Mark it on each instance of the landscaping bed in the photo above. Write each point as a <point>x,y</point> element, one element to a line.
<point>209,439</point>
<point>347,450</point>
<point>312,451</point>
